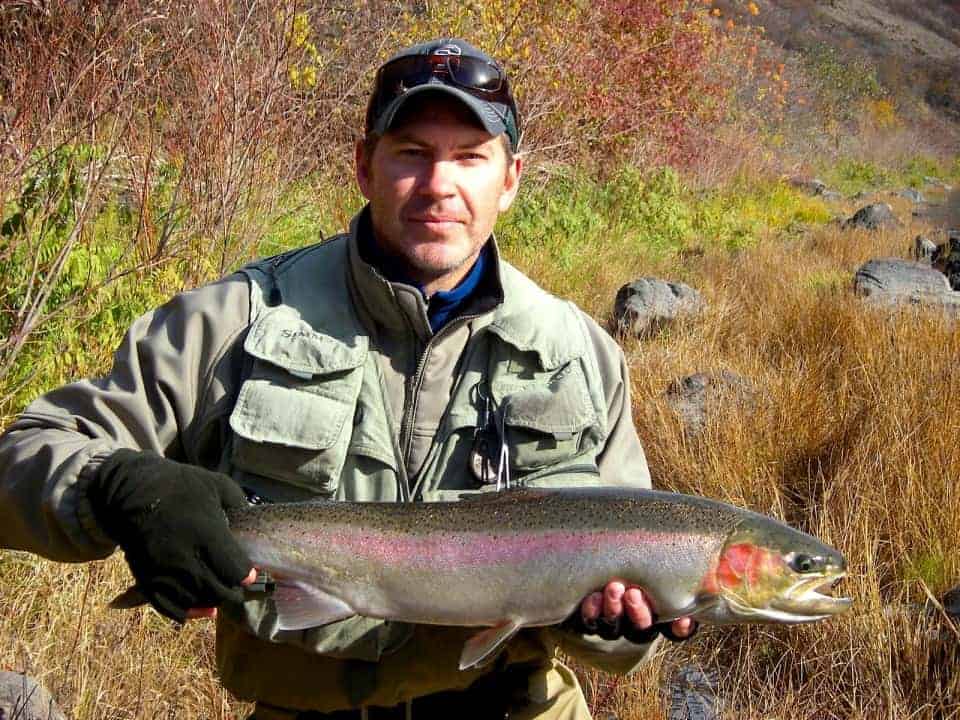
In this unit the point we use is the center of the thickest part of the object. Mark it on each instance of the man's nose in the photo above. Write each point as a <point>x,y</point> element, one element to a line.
<point>439,178</point>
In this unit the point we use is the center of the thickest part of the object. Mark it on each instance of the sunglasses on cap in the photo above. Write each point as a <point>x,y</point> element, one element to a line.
<point>476,76</point>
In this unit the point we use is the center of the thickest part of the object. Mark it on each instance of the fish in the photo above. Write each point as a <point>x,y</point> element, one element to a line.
<point>527,557</point>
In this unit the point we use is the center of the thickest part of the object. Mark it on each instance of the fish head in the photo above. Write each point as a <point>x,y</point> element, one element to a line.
<point>770,573</point>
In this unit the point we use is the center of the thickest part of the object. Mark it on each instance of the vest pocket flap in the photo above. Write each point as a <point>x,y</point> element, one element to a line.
<point>544,409</point>
<point>266,412</point>
<point>280,337</point>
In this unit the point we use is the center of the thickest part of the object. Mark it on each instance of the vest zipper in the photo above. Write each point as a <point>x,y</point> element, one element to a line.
<point>416,381</point>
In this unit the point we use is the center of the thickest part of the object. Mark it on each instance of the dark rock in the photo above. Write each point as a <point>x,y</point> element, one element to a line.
<point>914,196</point>
<point>924,250</point>
<point>813,186</point>
<point>947,259</point>
<point>645,305</point>
<point>696,396</point>
<point>873,217</point>
<point>692,694</point>
<point>951,602</point>
<point>22,698</point>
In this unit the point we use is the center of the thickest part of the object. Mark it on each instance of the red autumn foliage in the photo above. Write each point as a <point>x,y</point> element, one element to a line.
<point>645,74</point>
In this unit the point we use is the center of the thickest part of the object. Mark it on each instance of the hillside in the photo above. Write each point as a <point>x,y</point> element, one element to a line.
<point>915,46</point>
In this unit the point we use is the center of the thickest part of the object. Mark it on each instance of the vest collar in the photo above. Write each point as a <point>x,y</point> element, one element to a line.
<point>398,306</point>
<point>514,307</point>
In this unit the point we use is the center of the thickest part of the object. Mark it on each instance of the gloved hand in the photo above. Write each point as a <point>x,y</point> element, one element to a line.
<point>623,628</point>
<point>169,520</point>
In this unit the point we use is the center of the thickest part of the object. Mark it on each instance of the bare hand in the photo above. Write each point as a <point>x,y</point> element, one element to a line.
<point>211,612</point>
<point>617,600</point>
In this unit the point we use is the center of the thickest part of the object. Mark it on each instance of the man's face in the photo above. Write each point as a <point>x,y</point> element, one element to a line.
<point>436,183</point>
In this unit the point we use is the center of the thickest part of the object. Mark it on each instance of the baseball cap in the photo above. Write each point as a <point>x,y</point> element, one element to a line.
<point>451,66</point>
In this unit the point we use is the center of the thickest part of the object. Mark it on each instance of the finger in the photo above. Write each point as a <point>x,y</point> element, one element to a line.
<point>613,599</point>
<point>213,593</point>
<point>682,627</point>
<point>167,598</point>
<point>198,613</point>
<point>669,631</point>
<point>224,556</point>
<point>637,608</point>
<point>591,606</point>
<point>250,578</point>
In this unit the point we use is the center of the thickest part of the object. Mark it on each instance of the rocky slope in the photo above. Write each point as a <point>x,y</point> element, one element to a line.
<point>915,44</point>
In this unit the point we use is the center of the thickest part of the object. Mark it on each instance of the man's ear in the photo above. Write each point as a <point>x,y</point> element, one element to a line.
<point>511,183</point>
<point>361,159</point>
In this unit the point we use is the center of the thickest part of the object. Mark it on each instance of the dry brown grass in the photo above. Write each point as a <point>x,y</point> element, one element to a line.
<point>852,436</point>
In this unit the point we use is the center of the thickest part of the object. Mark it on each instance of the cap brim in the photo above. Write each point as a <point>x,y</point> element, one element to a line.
<point>485,113</point>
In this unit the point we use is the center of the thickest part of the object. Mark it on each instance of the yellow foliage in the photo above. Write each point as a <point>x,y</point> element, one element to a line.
<point>883,113</point>
<point>301,29</point>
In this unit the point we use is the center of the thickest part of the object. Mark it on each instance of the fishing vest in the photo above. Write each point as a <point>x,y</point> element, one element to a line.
<point>310,421</point>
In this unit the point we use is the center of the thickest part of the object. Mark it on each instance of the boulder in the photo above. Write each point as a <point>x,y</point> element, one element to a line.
<point>696,396</point>
<point>814,186</point>
<point>951,602</point>
<point>894,276</point>
<point>22,698</point>
<point>892,281</point>
<point>914,196</point>
<point>692,694</point>
<point>948,259</point>
<point>924,250</point>
<point>873,217</point>
<point>645,305</point>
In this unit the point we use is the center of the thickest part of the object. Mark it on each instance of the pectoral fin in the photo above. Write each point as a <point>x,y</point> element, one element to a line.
<point>484,646</point>
<point>301,606</point>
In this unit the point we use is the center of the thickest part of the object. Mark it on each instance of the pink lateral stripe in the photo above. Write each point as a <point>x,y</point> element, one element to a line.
<point>458,550</point>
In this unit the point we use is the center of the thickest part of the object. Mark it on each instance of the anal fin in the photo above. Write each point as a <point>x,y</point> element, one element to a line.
<point>301,605</point>
<point>484,646</point>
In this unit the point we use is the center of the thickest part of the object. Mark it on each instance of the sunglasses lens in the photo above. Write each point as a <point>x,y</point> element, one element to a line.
<point>401,75</point>
<point>476,74</point>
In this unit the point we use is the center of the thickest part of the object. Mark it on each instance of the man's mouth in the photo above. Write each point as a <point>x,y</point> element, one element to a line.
<point>434,220</point>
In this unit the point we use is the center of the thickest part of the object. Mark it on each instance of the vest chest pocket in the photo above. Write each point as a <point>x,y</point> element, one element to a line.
<point>549,422</point>
<point>293,419</point>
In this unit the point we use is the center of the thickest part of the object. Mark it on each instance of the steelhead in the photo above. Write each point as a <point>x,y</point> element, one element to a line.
<point>527,557</point>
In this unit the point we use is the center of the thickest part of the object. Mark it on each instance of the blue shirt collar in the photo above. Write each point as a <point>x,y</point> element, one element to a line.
<point>443,304</point>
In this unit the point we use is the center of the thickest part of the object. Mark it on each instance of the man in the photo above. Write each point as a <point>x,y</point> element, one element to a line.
<point>403,361</point>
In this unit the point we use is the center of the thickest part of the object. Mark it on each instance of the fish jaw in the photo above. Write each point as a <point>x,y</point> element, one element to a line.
<point>806,603</point>
<point>764,579</point>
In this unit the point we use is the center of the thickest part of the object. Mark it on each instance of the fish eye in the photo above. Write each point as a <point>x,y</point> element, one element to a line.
<point>806,563</point>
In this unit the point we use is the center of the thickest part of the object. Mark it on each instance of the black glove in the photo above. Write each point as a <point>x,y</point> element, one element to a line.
<point>621,628</point>
<point>169,519</point>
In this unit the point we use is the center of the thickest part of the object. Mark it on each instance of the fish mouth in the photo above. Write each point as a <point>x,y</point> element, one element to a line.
<point>811,598</point>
